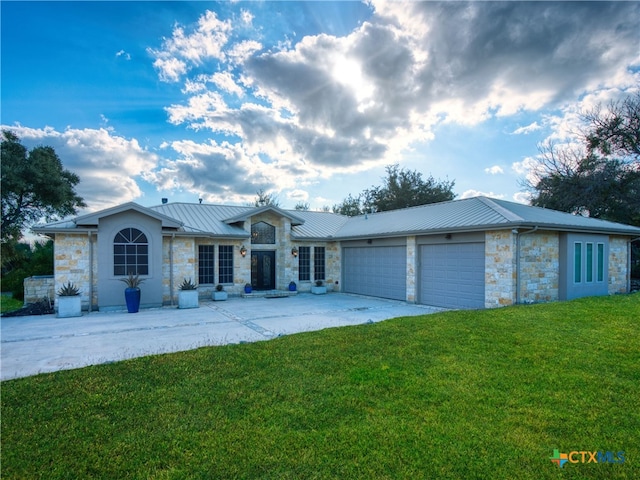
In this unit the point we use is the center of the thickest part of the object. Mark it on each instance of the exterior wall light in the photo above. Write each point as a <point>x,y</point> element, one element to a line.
<point>294,251</point>
<point>243,250</point>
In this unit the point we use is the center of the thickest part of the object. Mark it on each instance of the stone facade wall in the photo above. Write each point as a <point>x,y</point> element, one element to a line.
<point>618,265</point>
<point>180,250</point>
<point>72,255</point>
<point>539,267</point>
<point>412,259</point>
<point>500,268</point>
<point>38,287</point>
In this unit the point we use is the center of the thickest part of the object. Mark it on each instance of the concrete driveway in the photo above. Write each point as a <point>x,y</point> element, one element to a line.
<point>40,344</point>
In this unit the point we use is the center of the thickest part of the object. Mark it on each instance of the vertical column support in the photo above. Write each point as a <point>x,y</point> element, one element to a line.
<point>412,269</point>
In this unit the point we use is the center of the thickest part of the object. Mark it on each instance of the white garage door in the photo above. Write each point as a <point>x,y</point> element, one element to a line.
<point>376,271</point>
<point>452,275</point>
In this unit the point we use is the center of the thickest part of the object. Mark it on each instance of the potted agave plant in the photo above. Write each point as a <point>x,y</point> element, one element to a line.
<point>188,294</point>
<point>219,294</point>
<point>69,301</point>
<point>132,292</point>
<point>319,288</point>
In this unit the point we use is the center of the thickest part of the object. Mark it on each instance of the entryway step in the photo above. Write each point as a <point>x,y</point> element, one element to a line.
<point>269,294</point>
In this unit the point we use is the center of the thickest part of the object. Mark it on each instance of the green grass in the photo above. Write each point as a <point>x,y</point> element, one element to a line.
<point>462,395</point>
<point>8,304</point>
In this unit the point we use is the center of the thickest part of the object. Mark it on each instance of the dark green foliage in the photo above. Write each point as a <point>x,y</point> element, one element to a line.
<point>132,281</point>
<point>187,284</point>
<point>617,130</point>
<point>24,261</point>
<point>458,395</point>
<point>35,187</point>
<point>602,188</point>
<point>68,290</point>
<point>401,189</point>
<point>602,180</point>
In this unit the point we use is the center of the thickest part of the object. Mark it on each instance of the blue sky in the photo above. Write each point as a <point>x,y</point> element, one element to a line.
<point>308,101</point>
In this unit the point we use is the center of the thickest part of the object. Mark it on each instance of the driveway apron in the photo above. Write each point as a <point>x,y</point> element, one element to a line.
<point>41,344</point>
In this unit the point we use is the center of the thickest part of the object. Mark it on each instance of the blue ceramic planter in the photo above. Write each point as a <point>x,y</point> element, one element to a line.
<point>132,297</point>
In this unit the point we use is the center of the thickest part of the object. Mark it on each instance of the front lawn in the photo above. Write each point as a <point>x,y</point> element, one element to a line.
<point>461,395</point>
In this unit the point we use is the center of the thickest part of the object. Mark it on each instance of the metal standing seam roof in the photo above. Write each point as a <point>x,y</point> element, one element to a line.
<point>477,213</point>
<point>471,214</point>
<point>204,218</point>
<point>213,220</point>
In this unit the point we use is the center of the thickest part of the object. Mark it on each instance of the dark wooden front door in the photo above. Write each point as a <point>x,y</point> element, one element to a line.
<point>263,270</point>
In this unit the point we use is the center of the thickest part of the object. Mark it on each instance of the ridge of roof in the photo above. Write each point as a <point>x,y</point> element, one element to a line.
<point>500,209</point>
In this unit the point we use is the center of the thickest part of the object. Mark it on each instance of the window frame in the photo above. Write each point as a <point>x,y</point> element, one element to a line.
<point>304,264</point>
<point>210,256</point>
<point>319,263</point>
<point>225,264</point>
<point>132,255</point>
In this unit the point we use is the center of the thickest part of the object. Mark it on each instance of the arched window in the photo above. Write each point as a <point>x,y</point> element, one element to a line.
<point>130,253</point>
<point>264,233</point>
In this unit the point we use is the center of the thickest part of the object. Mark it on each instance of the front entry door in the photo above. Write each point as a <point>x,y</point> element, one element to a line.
<point>263,270</point>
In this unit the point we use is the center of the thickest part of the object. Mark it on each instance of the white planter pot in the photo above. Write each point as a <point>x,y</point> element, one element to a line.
<point>69,307</point>
<point>319,290</point>
<point>219,296</point>
<point>188,299</point>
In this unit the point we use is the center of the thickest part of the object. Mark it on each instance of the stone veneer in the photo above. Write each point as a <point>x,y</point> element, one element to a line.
<point>539,267</point>
<point>500,268</point>
<point>184,251</point>
<point>71,253</point>
<point>412,260</point>
<point>618,265</point>
<point>38,287</point>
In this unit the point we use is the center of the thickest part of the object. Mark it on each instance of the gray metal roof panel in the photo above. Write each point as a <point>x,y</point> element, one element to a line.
<point>562,220</point>
<point>204,218</point>
<point>471,214</point>
<point>317,225</point>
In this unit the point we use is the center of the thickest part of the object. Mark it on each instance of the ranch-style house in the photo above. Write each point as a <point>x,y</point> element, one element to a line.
<point>472,253</point>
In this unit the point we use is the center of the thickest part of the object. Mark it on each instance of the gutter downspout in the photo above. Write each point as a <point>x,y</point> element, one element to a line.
<point>629,242</point>
<point>173,235</point>
<point>518,283</point>
<point>90,273</point>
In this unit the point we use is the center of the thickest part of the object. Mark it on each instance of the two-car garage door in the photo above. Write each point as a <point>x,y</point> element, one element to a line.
<point>449,275</point>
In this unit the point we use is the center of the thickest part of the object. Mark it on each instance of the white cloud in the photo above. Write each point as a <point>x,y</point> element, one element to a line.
<point>477,193</point>
<point>124,54</point>
<point>527,129</point>
<point>327,104</point>
<point>107,164</point>
<point>495,170</point>
<point>183,50</point>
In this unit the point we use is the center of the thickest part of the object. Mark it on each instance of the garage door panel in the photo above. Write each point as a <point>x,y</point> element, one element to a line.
<point>375,271</point>
<point>452,275</point>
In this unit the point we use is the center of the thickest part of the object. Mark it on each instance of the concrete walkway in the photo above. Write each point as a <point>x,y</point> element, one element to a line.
<point>40,344</point>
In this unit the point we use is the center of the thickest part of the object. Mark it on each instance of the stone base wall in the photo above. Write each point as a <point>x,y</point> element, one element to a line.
<point>539,267</point>
<point>38,287</point>
<point>618,265</point>
<point>500,268</point>
<point>72,257</point>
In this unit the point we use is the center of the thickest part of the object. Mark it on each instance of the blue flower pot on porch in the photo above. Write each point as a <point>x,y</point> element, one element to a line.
<point>132,297</point>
